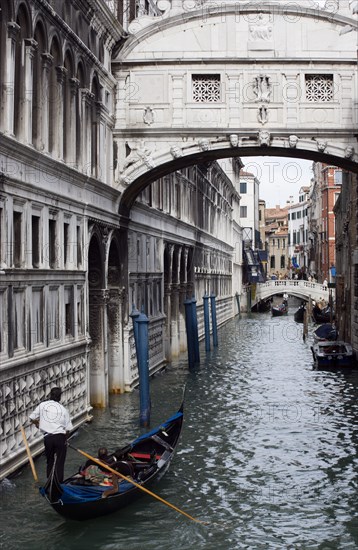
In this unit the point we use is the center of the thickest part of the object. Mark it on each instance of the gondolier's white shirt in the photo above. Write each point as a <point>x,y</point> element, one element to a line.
<point>53,418</point>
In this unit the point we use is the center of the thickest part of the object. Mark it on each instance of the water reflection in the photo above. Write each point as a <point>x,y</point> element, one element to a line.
<point>268,455</point>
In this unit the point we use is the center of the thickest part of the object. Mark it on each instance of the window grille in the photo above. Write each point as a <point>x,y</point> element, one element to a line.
<point>319,87</point>
<point>206,88</point>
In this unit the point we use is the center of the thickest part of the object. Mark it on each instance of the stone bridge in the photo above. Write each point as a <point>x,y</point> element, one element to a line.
<point>299,289</point>
<point>208,80</point>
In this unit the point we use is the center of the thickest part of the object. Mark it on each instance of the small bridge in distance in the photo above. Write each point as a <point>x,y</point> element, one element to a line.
<point>300,289</point>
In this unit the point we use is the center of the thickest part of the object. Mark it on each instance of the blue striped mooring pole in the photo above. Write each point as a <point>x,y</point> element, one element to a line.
<point>213,320</point>
<point>195,331</point>
<point>189,331</point>
<point>206,322</point>
<point>143,368</point>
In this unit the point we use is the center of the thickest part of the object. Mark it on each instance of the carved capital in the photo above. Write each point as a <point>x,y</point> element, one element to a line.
<point>61,73</point>
<point>47,60</point>
<point>12,30</point>
<point>74,85</point>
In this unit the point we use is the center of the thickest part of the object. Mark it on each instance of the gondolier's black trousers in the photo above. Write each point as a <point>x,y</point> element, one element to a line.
<point>55,445</point>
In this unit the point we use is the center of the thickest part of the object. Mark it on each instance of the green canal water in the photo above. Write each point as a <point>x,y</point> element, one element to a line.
<point>268,456</point>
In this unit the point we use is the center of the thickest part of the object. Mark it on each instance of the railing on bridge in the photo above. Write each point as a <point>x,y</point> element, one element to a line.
<point>298,288</point>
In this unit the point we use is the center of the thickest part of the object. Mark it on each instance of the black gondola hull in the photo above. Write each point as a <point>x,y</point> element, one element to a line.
<point>105,506</point>
<point>76,501</point>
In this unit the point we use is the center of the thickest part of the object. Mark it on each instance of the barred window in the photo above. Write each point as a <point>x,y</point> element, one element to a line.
<point>319,87</point>
<point>206,88</point>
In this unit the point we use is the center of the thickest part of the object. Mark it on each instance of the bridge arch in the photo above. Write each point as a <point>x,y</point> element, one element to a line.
<point>140,175</point>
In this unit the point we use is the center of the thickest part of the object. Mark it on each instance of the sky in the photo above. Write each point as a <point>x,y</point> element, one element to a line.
<point>279,177</point>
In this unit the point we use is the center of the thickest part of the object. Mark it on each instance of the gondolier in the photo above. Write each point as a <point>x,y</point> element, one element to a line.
<point>54,421</point>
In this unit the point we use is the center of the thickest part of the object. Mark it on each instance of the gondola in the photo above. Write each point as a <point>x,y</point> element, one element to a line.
<point>262,306</point>
<point>299,314</point>
<point>144,460</point>
<point>320,316</point>
<point>325,332</point>
<point>279,310</point>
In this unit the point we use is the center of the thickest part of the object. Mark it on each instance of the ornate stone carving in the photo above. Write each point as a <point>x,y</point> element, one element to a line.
<point>262,115</point>
<point>148,116</point>
<point>176,151</point>
<point>349,152</point>
<point>321,145</point>
<point>292,141</point>
<point>139,152</point>
<point>204,144</point>
<point>262,88</point>
<point>261,30</point>
<point>234,140</point>
<point>143,20</point>
<point>264,138</point>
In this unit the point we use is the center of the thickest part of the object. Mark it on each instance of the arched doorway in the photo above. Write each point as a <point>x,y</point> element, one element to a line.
<point>97,299</point>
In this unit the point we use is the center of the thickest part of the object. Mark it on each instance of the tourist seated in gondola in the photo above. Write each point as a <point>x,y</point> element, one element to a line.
<point>95,473</point>
<point>98,475</point>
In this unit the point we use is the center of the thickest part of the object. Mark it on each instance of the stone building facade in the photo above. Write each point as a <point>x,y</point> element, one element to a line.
<point>69,268</point>
<point>327,184</point>
<point>346,212</point>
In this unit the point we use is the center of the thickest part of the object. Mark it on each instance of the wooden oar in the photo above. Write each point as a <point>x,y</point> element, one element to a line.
<point>34,473</point>
<point>104,465</point>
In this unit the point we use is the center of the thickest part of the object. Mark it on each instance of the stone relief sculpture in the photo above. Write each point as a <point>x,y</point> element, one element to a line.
<point>139,152</point>
<point>262,115</point>
<point>234,140</point>
<point>204,144</point>
<point>321,145</point>
<point>292,141</point>
<point>260,31</point>
<point>349,152</point>
<point>264,138</point>
<point>143,20</point>
<point>148,116</point>
<point>146,155</point>
<point>353,4</point>
<point>176,151</point>
<point>262,88</point>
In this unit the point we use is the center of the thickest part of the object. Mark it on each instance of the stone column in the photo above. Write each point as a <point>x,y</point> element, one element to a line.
<point>61,74</point>
<point>178,99</point>
<point>100,168</point>
<point>182,296</point>
<point>86,132</point>
<point>98,300</point>
<point>292,96</point>
<point>8,91</point>
<point>26,100</point>
<point>115,341</point>
<point>234,99</point>
<point>47,61</point>
<point>71,123</point>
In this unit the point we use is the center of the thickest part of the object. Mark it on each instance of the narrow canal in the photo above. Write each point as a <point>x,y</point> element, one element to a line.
<point>268,456</point>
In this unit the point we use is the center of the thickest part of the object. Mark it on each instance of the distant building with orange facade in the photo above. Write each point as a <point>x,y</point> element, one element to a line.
<point>325,190</point>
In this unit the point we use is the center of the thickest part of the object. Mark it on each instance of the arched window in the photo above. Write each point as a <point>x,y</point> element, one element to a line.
<point>54,97</point>
<point>22,20</point>
<point>38,99</point>
<point>3,30</point>
<point>68,122</point>
<point>79,114</point>
<point>95,127</point>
